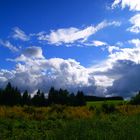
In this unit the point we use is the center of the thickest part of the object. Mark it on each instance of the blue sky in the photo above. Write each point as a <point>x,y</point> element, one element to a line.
<point>45,15</point>
<point>95,34</point>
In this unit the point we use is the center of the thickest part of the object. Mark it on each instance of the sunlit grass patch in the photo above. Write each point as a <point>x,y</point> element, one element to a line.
<point>99,103</point>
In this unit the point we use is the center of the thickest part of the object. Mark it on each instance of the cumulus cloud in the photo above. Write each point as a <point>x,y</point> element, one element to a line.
<point>71,35</point>
<point>129,82</point>
<point>135,21</point>
<point>8,45</point>
<point>132,54</point>
<point>134,5</point>
<point>119,73</point>
<point>19,34</point>
<point>4,76</point>
<point>41,73</point>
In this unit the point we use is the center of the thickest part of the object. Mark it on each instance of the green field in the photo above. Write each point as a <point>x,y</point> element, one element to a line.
<point>112,127</point>
<point>99,103</point>
<point>71,123</point>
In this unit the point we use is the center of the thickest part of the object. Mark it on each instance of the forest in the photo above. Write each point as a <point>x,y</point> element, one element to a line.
<point>12,96</point>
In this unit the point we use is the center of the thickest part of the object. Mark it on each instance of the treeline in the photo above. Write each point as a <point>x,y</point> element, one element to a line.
<point>11,96</point>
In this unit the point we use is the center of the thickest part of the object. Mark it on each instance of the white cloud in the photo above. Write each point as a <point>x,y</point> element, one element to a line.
<point>132,54</point>
<point>103,81</point>
<point>122,66</point>
<point>116,3</point>
<point>135,42</point>
<point>95,43</point>
<point>119,73</point>
<point>135,21</point>
<point>112,48</point>
<point>71,35</point>
<point>134,5</point>
<point>41,73</point>
<point>8,45</point>
<point>4,76</point>
<point>98,43</point>
<point>19,34</point>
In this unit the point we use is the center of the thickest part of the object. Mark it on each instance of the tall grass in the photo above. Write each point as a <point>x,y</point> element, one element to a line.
<point>112,127</point>
<point>70,123</point>
<point>99,103</point>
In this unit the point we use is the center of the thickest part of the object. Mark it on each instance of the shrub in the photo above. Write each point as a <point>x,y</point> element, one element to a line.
<point>108,108</point>
<point>29,109</point>
<point>135,100</point>
<point>92,108</point>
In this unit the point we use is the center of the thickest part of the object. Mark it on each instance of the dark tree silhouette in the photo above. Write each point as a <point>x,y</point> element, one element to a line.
<point>39,99</point>
<point>11,96</point>
<point>26,98</point>
<point>72,100</point>
<point>136,99</point>
<point>80,98</point>
<point>53,96</point>
<point>63,97</point>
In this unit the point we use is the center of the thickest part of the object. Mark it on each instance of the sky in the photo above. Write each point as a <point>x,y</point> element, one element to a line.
<point>89,45</point>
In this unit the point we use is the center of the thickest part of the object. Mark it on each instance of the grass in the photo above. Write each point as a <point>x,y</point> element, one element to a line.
<point>111,127</point>
<point>70,123</point>
<point>99,103</point>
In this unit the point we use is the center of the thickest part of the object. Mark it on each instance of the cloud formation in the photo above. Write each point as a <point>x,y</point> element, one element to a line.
<point>119,73</point>
<point>19,34</point>
<point>135,21</point>
<point>34,73</point>
<point>33,52</point>
<point>8,45</point>
<point>71,35</point>
<point>134,5</point>
<point>129,82</point>
<point>98,43</point>
<point>135,42</point>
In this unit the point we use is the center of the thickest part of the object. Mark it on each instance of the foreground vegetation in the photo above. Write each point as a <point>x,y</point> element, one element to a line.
<point>67,116</point>
<point>110,127</point>
<point>121,122</point>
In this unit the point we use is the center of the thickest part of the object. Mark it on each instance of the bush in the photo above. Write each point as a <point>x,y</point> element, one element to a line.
<point>92,108</point>
<point>135,100</point>
<point>29,109</point>
<point>108,108</point>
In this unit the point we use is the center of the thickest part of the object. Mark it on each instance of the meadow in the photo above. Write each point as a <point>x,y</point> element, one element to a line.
<point>99,103</point>
<point>104,121</point>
